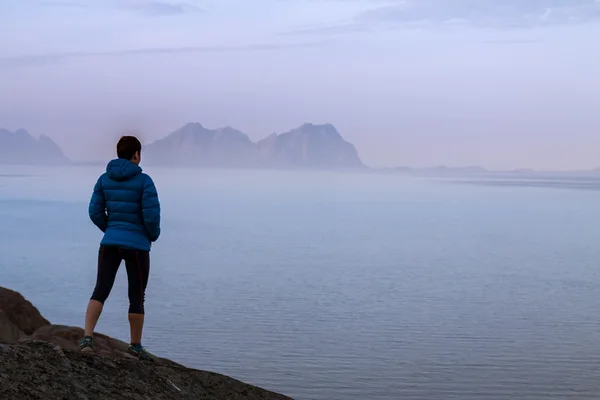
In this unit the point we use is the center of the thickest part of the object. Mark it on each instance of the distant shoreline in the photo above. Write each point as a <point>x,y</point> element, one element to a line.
<point>423,172</point>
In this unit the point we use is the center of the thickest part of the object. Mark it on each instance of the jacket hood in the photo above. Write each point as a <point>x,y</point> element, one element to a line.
<point>122,170</point>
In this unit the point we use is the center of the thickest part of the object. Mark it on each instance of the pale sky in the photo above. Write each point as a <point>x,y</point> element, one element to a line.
<point>499,83</point>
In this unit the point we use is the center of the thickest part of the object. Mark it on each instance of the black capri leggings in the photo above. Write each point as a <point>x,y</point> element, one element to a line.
<point>137,263</point>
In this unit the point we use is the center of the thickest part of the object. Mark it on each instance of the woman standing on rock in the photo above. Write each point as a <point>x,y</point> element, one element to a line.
<point>126,208</point>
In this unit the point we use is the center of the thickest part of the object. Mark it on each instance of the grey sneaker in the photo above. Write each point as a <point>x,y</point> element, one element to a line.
<point>86,345</point>
<point>140,352</point>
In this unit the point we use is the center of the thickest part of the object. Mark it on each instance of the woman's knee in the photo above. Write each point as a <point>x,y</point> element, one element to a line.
<point>100,294</point>
<point>136,307</point>
<point>136,301</point>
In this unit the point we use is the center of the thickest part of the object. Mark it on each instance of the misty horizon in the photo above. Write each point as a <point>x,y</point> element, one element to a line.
<point>439,167</point>
<point>410,83</point>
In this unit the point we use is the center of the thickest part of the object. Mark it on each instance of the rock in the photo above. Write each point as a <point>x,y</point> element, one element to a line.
<point>41,361</point>
<point>68,337</point>
<point>21,312</point>
<point>8,331</point>
<point>40,370</point>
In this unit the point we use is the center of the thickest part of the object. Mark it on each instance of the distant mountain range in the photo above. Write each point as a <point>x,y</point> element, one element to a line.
<point>306,147</point>
<point>309,146</point>
<point>20,148</point>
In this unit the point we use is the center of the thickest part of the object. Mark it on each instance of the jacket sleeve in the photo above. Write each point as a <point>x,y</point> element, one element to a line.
<point>97,208</point>
<point>151,209</point>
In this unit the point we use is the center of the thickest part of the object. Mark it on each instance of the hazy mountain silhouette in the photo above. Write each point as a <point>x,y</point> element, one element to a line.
<point>194,145</point>
<point>306,147</point>
<point>20,148</point>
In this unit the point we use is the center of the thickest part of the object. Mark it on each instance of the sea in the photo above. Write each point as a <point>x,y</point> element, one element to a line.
<point>338,286</point>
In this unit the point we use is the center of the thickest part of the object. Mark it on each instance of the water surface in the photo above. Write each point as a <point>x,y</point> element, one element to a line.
<point>336,286</point>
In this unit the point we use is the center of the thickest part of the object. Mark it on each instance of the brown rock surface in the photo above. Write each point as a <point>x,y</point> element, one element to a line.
<point>21,312</point>
<point>8,330</point>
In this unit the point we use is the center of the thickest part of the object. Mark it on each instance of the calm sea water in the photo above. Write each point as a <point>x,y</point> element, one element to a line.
<point>337,286</point>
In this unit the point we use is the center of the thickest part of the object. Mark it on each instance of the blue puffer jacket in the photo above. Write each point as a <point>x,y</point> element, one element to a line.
<point>125,207</point>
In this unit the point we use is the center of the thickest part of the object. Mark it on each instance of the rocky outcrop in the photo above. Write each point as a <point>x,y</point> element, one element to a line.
<point>16,311</point>
<point>68,337</point>
<point>306,147</point>
<point>8,330</point>
<point>39,360</point>
<point>20,148</point>
<point>40,370</point>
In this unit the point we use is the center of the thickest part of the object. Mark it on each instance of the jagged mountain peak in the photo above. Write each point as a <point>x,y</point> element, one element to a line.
<point>308,146</point>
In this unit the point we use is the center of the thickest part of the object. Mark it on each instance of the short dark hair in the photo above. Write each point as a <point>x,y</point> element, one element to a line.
<point>128,146</point>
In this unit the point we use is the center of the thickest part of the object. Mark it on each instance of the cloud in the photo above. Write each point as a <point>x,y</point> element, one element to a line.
<point>159,8</point>
<point>41,59</point>
<point>495,14</point>
<point>63,4</point>
<point>485,13</point>
<point>146,7</point>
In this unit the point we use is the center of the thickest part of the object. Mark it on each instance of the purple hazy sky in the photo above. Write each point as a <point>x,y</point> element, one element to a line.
<point>500,83</point>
